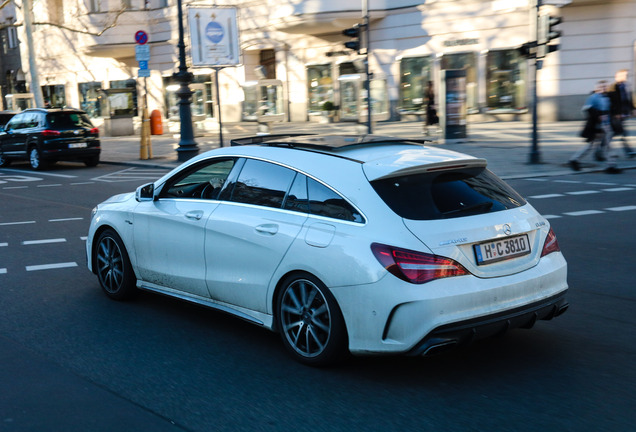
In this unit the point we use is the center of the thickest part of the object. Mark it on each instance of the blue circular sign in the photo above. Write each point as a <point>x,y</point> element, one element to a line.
<point>214,32</point>
<point>141,37</point>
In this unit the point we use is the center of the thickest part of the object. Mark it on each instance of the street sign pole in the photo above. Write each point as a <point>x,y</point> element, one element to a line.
<point>535,155</point>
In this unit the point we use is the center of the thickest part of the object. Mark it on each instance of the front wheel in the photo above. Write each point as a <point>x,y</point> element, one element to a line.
<point>114,270</point>
<point>310,322</point>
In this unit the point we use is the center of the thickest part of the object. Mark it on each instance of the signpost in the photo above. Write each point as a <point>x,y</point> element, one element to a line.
<point>214,40</point>
<point>142,55</point>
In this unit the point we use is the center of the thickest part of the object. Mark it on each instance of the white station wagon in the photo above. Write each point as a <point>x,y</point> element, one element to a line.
<point>368,245</point>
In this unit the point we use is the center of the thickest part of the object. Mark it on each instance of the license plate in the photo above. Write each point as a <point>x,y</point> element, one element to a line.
<point>77,145</point>
<point>503,249</point>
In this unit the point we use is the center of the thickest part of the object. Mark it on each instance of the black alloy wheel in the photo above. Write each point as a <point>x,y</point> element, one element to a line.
<point>310,322</point>
<point>35,159</point>
<point>114,270</point>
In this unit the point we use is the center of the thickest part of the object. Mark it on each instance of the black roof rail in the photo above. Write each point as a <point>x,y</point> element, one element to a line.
<point>260,139</point>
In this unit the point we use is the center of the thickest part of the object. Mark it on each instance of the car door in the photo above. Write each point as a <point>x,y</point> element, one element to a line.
<point>249,233</point>
<point>11,139</point>
<point>169,233</point>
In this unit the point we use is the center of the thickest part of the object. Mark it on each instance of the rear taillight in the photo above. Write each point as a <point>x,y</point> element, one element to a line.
<point>551,244</point>
<point>416,267</point>
<point>50,133</point>
<point>94,131</point>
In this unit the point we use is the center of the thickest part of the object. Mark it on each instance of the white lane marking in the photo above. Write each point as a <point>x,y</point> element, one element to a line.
<point>584,192</point>
<point>546,196</point>
<point>45,241</point>
<point>16,187</point>
<point>82,183</point>
<point>624,208</point>
<point>4,244</point>
<point>602,183</point>
<point>49,185</point>
<point>51,266</point>
<point>16,223</point>
<point>567,181</point>
<point>65,219</point>
<point>3,271</point>
<point>618,189</point>
<point>537,179</point>
<point>584,213</point>
<point>552,216</point>
<point>84,238</point>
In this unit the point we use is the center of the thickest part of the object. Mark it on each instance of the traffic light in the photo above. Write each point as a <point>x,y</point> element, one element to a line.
<point>355,33</point>
<point>546,32</point>
<point>528,50</point>
<point>552,32</point>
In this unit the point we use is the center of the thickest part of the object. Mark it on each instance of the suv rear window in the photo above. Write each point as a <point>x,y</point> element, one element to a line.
<point>447,194</point>
<point>68,120</point>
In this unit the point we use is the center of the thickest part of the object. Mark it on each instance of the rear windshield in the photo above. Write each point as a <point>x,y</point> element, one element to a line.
<point>447,194</point>
<point>68,120</point>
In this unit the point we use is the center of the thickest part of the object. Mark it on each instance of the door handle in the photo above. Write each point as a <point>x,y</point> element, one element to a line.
<point>267,229</point>
<point>194,215</point>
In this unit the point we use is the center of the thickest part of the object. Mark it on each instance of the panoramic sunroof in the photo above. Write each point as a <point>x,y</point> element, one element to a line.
<point>322,142</point>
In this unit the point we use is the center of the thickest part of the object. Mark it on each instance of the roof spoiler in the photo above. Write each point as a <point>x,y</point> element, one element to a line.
<point>447,165</point>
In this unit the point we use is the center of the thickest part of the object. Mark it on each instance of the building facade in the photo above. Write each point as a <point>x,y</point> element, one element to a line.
<point>85,53</point>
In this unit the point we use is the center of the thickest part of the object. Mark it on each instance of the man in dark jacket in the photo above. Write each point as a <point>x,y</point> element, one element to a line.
<point>621,107</point>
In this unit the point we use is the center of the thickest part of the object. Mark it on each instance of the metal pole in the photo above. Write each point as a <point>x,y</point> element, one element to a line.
<point>187,146</point>
<point>365,9</point>
<point>218,104</point>
<point>535,155</point>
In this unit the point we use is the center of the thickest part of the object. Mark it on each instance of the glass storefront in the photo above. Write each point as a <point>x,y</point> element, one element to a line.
<point>202,103</point>
<point>415,72</point>
<point>55,95</point>
<point>320,87</point>
<point>122,100</point>
<point>467,62</point>
<point>506,77</point>
<point>90,98</point>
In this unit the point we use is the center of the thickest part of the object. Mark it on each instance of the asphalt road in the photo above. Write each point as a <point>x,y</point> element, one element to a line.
<point>73,360</point>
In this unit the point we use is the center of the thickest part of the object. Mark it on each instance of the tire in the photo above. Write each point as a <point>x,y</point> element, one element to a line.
<point>35,159</point>
<point>4,162</point>
<point>310,322</point>
<point>113,267</point>
<point>91,161</point>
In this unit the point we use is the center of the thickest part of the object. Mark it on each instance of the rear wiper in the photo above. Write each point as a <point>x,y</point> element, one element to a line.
<point>485,206</point>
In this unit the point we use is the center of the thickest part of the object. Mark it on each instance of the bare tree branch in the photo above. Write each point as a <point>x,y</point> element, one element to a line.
<point>75,30</point>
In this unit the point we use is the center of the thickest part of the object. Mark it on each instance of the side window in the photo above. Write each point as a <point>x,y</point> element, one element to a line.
<point>297,199</point>
<point>262,183</point>
<point>325,202</point>
<point>31,120</point>
<point>203,181</point>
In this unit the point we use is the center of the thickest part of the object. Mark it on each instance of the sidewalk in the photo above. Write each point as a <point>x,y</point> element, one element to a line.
<point>506,145</point>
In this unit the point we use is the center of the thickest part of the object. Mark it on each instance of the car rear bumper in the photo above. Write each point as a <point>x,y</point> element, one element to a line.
<point>396,317</point>
<point>70,154</point>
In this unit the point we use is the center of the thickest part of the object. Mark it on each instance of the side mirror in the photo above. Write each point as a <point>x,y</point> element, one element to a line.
<point>145,192</point>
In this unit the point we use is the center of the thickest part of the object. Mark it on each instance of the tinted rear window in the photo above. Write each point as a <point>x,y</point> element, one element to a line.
<point>446,195</point>
<point>68,120</point>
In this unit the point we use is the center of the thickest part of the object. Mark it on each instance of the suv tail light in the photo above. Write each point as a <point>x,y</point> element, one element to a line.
<point>50,133</point>
<point>416,267</point>
<point>551,244</point>
<point>94,131</point>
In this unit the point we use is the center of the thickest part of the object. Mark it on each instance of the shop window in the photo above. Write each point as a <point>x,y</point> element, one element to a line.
<point>89,94</point>
<point>415,72</point>
<point>13,37</point>
<point>467,62</point>
<point>319,86</point>
<point>55,95</point>
<point>123,98</point>
<point>202,101</point>
<point>506,75</point>
<point>268,61</point>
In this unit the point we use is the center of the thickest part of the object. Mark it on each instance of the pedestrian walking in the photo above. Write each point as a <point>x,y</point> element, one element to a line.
<point>432,118</point>
<point>597,126</point>
<point>621,108</point>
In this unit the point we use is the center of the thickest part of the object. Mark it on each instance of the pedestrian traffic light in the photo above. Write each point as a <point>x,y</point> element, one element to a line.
<point>552,23</point>
<point>355,33</point>
<point>546,30</point>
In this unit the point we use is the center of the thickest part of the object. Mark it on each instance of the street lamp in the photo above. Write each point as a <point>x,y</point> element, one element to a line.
<point>187,145</point>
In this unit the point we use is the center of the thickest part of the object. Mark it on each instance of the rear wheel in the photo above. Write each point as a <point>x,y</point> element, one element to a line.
<point>114,270</point>
<point>310,322</point>
<point>35,159</point>
<point>91,161</point>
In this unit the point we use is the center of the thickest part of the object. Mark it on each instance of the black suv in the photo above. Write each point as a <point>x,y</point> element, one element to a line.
<point>45,136</point>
